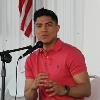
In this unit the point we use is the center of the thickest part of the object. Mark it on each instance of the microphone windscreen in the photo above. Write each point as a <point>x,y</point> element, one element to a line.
<point>39,44</point>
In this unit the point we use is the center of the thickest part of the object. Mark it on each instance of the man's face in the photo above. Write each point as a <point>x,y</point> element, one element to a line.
<point>46,29</point>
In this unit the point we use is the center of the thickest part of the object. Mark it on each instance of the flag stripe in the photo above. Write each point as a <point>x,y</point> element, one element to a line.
<point>21,3</point>
<point>28,17</point>
<point>28,30</point>
<point>25,9</point>
<point>26,13</point>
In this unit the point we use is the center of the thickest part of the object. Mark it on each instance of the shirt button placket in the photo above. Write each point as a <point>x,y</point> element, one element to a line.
<point>45,59</point>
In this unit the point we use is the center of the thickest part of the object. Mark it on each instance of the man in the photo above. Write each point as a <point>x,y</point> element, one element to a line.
<point>58,70</point>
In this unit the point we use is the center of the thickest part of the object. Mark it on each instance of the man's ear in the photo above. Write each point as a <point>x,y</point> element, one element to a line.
<point>58,27</point>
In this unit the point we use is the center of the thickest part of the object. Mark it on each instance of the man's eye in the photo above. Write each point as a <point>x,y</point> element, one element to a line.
<point>49,24</point>
<point>38,26</point>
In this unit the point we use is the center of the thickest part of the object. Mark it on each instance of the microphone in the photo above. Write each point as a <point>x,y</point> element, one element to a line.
<point>39,44</point>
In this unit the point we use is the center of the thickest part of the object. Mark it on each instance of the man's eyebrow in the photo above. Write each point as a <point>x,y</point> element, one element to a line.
<point>38,23</point>
<point>50,22</point>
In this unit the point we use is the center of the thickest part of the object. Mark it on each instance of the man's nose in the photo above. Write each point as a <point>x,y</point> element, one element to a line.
<point>44,27</point>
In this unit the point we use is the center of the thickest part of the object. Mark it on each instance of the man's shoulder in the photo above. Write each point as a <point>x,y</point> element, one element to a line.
<point>70,46</point>
<point>71,49</point>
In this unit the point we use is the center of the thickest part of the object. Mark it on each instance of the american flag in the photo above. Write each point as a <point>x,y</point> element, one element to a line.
<point>25,9</point>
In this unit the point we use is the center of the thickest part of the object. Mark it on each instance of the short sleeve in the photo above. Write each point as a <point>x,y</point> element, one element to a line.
<point>76,62</point>
<point>28,69</point>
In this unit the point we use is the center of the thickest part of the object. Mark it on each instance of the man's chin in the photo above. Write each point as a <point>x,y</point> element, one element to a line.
<point>45,41</point>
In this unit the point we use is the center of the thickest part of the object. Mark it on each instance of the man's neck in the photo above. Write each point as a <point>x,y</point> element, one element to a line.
<point>48,46</point>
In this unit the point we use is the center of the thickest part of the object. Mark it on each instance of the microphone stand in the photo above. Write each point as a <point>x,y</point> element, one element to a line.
<point>3,75</point>
<point>6,58</point>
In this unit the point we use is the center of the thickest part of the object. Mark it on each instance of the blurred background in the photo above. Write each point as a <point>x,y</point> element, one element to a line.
<point>80,26</point>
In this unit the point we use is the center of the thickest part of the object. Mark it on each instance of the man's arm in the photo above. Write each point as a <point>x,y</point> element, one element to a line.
<point>83,87</point>
<point>31,86</point>
<point>29,92</point>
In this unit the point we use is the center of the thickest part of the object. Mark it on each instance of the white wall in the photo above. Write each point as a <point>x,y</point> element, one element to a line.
<point>92,35</point>
<point>11,38</point>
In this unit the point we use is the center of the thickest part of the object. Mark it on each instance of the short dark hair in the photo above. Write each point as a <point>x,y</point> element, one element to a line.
<point>45,12</point>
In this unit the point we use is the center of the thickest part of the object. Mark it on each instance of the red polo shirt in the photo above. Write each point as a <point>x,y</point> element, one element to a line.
<point>61,62</point>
